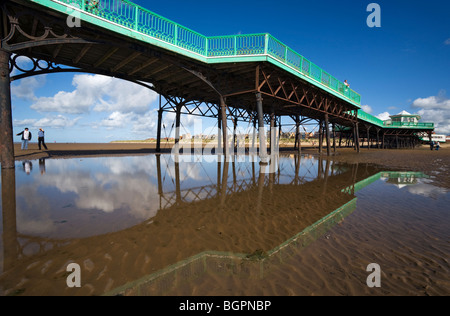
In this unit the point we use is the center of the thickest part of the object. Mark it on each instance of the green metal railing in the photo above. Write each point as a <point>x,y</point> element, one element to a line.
<point>408,124</point>
<point>369,118</point>
<point>139,19</point>
<point>378,122</point>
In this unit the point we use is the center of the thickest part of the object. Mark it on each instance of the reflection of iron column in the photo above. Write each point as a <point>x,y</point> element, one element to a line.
<point>158,170</point>
<point>10,245</point>
<point>177,182</point>
<point>6,133</point>
<point>224,188</point>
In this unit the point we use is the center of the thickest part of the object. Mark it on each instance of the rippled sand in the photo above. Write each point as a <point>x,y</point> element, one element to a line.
<point>209,243</point>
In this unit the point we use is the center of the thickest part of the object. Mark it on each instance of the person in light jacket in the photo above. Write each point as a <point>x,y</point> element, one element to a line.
<point>41,139</point>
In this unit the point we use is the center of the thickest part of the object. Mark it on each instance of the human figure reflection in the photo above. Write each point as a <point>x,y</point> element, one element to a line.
<point>27,166</point>
<point>42,165</point>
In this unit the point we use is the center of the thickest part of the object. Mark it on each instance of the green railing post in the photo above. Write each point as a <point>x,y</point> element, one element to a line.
<point>175,40</point>
<point>235,45</point>
<point>136,17</point>
<point>266,43</point>
<point>285,53</point>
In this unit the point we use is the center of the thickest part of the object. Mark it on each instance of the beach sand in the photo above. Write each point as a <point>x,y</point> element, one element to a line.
<point>335,265</point>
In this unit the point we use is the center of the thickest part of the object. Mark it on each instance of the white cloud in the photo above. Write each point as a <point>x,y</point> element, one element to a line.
<point>118,120</point>
<point>367,108</point>
<point>126,96</point>
<point>100,93</point>
<point>384,116</point>
<point>434,102</point>
<point>447,41</point>
<point>435,109</point>
<point>26,87</point>
<point>428,190</point>
<point>58,121</point>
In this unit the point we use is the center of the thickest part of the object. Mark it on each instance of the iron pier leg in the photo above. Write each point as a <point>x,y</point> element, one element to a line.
<point>298,135</point>
<point>158,136</point>
<point>6,133</point>
<point>320,137</point>
<point>224,125</point>
<point>357,137</point>
<point>262,136</point>
<point>327,131</point>
<point>219,131</point>
<point>334,136</point>
<point>272,132</point>
<point>177,124</point>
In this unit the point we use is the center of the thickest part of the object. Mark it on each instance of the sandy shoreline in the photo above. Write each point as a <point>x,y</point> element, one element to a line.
<point>333,265</point>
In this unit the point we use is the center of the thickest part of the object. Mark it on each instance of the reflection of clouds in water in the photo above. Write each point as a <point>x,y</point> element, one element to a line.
<point>127,183</point>
<point>427,190</point>
<point>119,166</point>
<point>109,192</point>
<point>32,211</point>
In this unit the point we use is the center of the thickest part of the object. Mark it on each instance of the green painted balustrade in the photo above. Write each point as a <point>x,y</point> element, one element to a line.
<point>139,19</point>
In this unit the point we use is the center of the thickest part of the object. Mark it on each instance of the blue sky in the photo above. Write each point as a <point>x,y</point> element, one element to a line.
<point>402,65</point>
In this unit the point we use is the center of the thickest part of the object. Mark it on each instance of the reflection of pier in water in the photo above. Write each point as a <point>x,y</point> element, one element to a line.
<point>255,219</point>
<point>228,181</point>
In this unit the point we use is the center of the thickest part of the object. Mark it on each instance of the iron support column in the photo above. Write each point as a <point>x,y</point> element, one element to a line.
<point>158,135</point>
<point>334,136</point>
<point>298,135</point>
<point>177,124</point>
<point>6,133</point>
<point>262,135</point>
<point>320,137</point>
<point>327,131</point>
<point>224,125</point>
<point>272,132</point>
<point>219,131</point>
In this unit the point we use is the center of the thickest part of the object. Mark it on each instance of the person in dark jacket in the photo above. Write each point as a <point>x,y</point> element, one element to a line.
<point>26,137</point>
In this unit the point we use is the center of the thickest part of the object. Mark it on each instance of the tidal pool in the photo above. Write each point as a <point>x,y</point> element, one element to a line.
<point>200,225</point>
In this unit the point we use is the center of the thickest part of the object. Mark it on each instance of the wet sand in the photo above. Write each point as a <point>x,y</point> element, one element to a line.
<point>334,266</point>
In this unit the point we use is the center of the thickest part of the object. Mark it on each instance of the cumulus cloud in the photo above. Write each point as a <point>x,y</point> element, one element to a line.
<point>98,93</point>
<point>26,88</point>
<point>58,121</point>
<point>367,108</point>
<point>435,109</point>
<point>384,116</point>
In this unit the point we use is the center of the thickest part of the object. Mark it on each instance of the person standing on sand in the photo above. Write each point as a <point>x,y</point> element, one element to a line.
<point>26,137</point>
<point>41,139</point>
